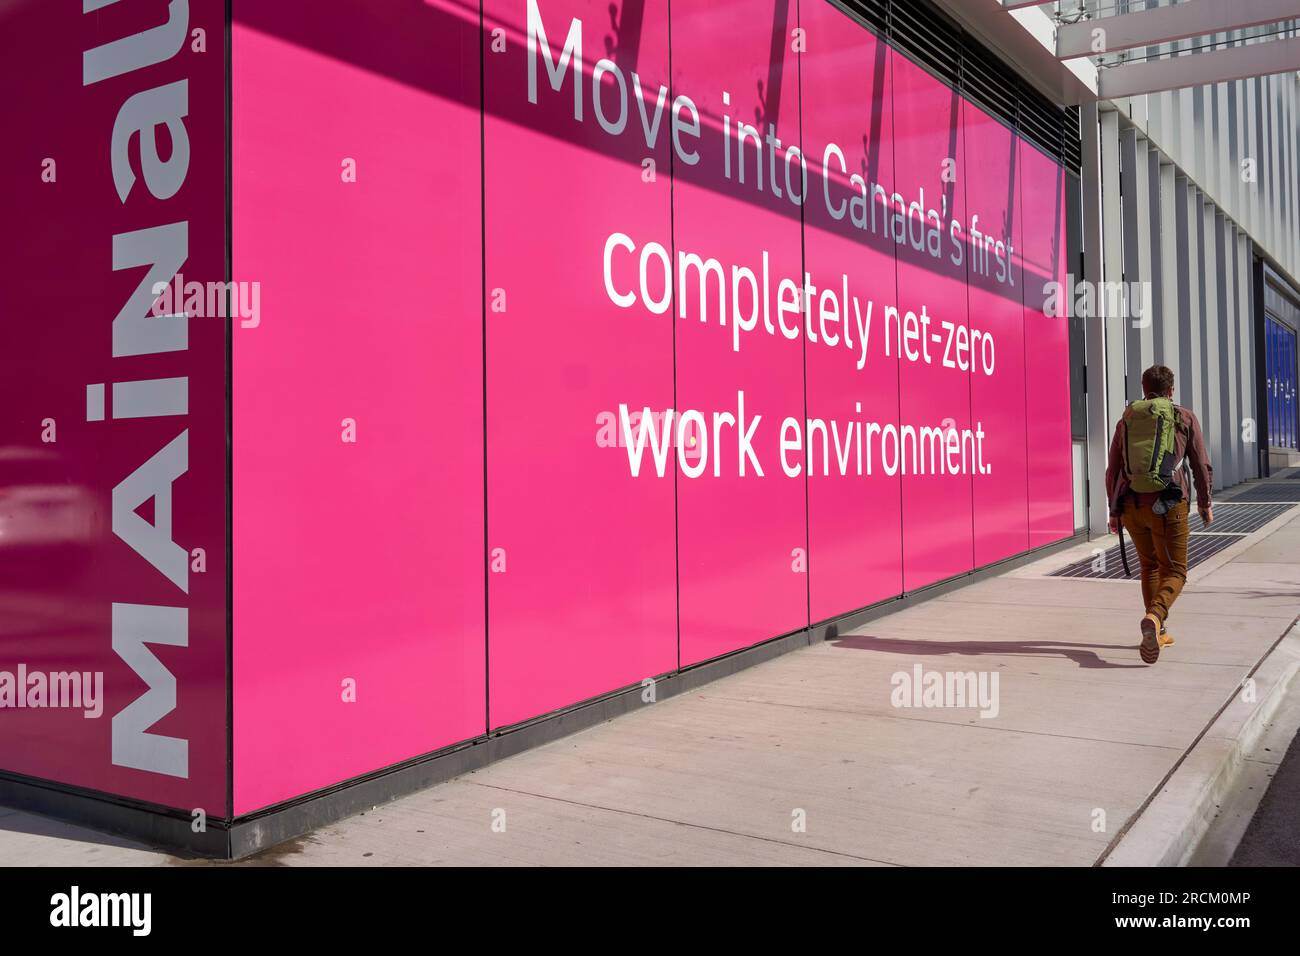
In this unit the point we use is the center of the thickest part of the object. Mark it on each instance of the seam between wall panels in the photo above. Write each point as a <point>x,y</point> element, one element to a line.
<point>803,260</point>
<point>230,404</point>
<point>672,246</point>
<point>482,185</point>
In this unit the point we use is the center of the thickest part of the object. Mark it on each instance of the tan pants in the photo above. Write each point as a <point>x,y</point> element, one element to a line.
<point>1161,545</point>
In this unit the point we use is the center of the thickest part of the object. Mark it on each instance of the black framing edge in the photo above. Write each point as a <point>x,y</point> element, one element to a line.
<point>1264,466</point>
<point>170,829</point>
<point>879,31</point>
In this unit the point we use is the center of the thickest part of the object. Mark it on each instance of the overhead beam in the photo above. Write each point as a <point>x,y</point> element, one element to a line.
<point>1193,18</point>
<point>1020,4</point>
<point>1025,39</point>
<point>1199,69</point>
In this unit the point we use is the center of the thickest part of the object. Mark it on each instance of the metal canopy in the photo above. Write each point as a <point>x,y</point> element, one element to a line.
<point>1150,46</point>
<point>1199,69</point>
<point>1156,25</point>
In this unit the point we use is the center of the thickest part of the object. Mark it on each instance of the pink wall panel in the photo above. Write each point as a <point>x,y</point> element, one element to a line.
<point>64,559</point>
<point>582,582</point>
<point>742,539</point>
<point>355,561</point>
<point>998,365</point>
<point>930,165</point>
<point>1047,345</point>
<point>855,519</point>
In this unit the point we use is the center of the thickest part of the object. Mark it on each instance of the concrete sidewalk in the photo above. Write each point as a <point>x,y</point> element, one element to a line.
<point>1083,736</point>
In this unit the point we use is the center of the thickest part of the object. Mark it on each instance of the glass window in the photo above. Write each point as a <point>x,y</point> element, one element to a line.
<point>1280,383</point>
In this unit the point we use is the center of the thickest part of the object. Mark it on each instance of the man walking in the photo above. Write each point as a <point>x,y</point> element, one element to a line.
<point>1156,443</point>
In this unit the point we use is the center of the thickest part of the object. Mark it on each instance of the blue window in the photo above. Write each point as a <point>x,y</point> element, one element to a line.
<point>1280,348</point>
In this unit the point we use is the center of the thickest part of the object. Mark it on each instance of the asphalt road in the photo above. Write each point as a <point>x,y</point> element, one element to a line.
<point>1273,836</point>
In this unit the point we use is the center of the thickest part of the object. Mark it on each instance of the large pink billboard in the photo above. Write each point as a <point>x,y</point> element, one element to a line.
<point>566,345</point>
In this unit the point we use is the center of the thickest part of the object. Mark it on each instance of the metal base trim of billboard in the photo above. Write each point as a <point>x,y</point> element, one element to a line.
<point>158,826</point>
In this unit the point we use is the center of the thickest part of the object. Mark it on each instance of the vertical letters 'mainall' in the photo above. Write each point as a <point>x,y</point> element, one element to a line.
<point>164,250</point>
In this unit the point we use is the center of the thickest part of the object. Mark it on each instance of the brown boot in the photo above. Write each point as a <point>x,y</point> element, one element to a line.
<point>1150,646</point>
<point>1166,639</point>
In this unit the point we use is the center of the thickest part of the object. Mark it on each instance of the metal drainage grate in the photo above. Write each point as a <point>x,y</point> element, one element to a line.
<point>1268,492</point>
<point>1199,547</point>
<point>1233,518</point>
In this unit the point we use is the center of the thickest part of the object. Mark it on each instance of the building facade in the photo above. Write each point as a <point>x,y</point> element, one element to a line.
<point>423,381</point>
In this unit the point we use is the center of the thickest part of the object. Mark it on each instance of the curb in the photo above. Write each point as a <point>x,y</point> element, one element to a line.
<point>1168,828</point>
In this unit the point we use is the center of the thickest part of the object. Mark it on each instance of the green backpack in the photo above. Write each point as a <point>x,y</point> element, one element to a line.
<point>1150,426</point>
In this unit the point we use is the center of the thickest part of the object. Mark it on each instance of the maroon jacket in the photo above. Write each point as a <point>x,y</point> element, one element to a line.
<point>1188,443</point>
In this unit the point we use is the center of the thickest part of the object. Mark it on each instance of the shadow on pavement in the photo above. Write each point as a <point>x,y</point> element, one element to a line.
<point>1081,654</point>
<point>20,821</point>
